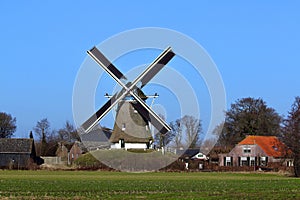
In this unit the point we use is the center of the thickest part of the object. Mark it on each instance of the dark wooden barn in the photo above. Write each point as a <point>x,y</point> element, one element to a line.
<point>18,153</point>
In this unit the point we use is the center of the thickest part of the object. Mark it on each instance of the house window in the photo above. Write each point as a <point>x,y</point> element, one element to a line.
<point>289,163</point>
<point>263,161</point>
<point>200,155</point>
<point>228,161</point>
<point>247,150</point>
<point>244,161</point>
<point>275,148</point>
<point>123,127</point>
<point>252,161</point>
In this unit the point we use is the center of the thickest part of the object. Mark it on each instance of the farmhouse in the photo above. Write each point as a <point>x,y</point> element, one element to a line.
<point>18,153</point>
<point>256,151</point>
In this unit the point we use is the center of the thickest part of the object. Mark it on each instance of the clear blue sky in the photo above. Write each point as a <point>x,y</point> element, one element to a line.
<point>43,43</point>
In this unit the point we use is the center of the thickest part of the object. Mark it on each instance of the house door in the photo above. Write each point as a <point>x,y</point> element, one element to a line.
<point>122,143</point>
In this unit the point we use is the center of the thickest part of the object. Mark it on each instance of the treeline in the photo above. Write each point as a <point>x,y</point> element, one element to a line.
<point>246,116</point>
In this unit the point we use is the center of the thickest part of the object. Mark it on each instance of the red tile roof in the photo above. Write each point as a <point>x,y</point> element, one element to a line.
<point>271,145</point>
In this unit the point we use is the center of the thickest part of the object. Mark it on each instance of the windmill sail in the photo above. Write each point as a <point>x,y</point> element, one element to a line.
<point>104,62</point>
<point>144,78</point>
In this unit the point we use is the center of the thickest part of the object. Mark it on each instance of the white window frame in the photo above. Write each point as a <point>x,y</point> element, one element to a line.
<point>228,161</point>
<point>243,160</point>
<point>246,150</point>
<point>263,161</point>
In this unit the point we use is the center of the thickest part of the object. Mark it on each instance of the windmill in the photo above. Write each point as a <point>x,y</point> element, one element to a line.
<point>142,113</point>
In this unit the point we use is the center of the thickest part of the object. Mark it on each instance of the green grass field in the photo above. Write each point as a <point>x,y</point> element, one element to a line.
<point>160,185</point>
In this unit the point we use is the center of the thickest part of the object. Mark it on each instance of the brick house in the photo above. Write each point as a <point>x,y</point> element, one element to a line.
<point>75,151</point>
<point>68,152</point>
<point>257,151</point>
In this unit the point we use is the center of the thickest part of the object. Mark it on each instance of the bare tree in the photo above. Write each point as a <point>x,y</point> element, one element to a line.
<point>7,125</point>
<point>42,128</point>
<point>207,145</point>
<point>68,133</point>
<point>163,139</point>
<point>291,134</point>
<point>192,128</point>
<point>176,129</point>
<point>224,140</point>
